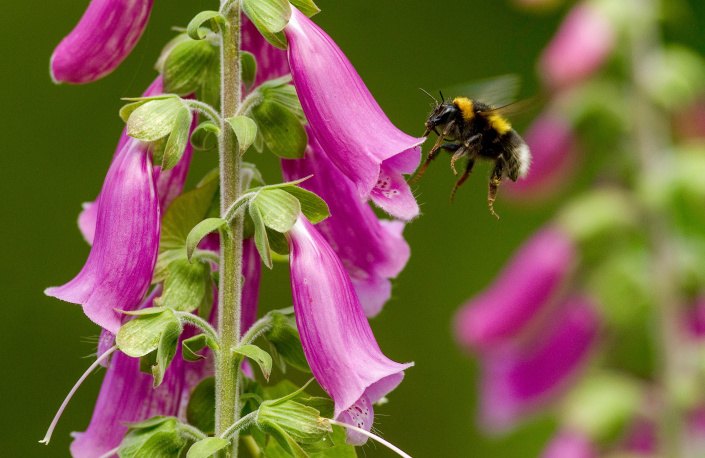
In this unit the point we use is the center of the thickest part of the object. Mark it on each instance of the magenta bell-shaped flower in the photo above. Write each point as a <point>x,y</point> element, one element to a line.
<point>570,444</point>
<point>519,294</point>
<point>337,339</point>
<point>347,121</point>
<point>518,378</point>
<point>103,38</point>
<point>170,183</point>
<point>371,250</point>
<point>579,48</point>
<point>119,268</point>
<point>553,150</point>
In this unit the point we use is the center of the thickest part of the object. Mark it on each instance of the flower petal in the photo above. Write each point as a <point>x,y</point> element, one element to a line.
<point>349,124</point>
<point>569,444</point>
<point>271,61</point>
<point>105,35</point>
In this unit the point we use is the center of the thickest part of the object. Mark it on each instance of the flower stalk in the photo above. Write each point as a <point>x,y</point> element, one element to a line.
<point>226,381</point>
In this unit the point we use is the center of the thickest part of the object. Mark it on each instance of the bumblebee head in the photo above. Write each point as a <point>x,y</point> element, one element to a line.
<point>441,114</point>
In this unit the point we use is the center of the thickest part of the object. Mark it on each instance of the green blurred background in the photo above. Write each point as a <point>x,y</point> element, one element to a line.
<point>57,145</point>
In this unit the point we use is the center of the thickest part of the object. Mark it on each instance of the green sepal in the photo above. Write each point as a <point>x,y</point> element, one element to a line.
<point>312,206</point>
<point>190,346</point>
<point>148,423</point>
<point>202,229</point>
<point>161,440</point>
<point>176,144</point>
<point>284,94</point>
<point>245,130</point>
<point>205,136</point>
<point>248,66</point>
<point>147,362</point>
<point>279,209</point>
<point>256,174</point>
<point>206,306</point>
<point>142,335</point>
<point>281,130</point>
<point>278,246</point>
<point>185,212</point>
<point>207,447</point>
<point>284,337</point>
<point>193,28</point>
<point>261,239</point>
<point>256,354</point>
<point>137,102</point>
<point>166,50</point>
<point>154,119</point>
<point>306,6</point>
<point>185,287</point>
<point>168,343</point>
<point>200,411</point>
<point>189,65</point>
<point>269,16</point>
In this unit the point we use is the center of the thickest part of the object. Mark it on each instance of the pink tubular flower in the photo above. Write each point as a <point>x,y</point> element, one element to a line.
<point>348,123</point>
<point>271,61</point>
<point>337,340</point>
<point>552,144</point>
<point>569,444</point>
<point>521,291</point>
<point>105,35</point>
<point>579,48</point>
<point>516,379</point>
<point>127,395</point>
<point>372,251</point>
<point>119,268</point>
<point>170,183</point>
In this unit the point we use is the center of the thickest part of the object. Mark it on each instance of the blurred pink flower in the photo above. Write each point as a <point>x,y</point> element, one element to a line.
<point>569,444</point>
<point>580,47</point>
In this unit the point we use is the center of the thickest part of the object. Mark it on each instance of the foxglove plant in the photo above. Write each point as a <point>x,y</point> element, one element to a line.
<point>201,250</point>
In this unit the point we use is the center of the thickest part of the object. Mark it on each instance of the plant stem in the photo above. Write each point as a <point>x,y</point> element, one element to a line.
<point>229,298</point>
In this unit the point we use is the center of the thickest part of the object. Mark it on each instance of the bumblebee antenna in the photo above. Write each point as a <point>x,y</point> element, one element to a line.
<point>425,92</point>
<point>442,98</point>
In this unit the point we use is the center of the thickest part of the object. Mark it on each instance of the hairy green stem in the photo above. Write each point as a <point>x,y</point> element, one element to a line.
<point>199,322</point>
<point>227,389</point>
<point>241,424</point>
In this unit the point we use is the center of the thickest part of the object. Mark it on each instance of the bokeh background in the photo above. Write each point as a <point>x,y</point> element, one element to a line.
<point>57,142</point>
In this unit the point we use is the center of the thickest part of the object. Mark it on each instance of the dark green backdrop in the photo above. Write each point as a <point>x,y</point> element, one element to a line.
<point>56,147</point>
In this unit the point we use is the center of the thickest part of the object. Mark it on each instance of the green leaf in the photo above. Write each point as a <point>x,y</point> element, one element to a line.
<point>206,306</point>
<point>284,337</point>
<point>281,130</point>
<point>279,209</point>
<point>306,6</point>
<point>278,245</point>
<point>148,423</point>
<point>205,136</point>
<point>268,15</point>
<point>166,50</point>
<point>185,286</point>
<point>340,449</point>
<point>165,352</point>
<point>207,447</point>
<point>248,66</point>
<point>154,119</point>
<point>185,212</point>
<point>245,130</point>
<point>286,96</point>
<point>256,354</point>
<point>190,346</point>
<point>176,144</point>
<point>200,411</point>
<point>193,29</point>
<point>313,207</point>
<point>261,240</point>
<point>160,441</point>
<point>142,335</point>
<point>202,229</point>
<point>188,64</point>
<point>283,442</point>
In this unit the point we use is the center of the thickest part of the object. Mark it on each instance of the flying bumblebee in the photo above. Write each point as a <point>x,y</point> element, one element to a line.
<point>478,131</point>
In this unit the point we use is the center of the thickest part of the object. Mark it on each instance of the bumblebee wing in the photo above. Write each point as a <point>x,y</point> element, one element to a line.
<point>517,108</point>
<point>499,90</point>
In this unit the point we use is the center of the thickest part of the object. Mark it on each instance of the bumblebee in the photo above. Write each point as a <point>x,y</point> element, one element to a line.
<point>477,131</point>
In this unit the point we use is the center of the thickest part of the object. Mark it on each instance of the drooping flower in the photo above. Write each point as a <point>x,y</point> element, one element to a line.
<point>518,378</point>
<point>553,150</point>
<point>119,268</point>
<point>127,395</point>
<point>570,444</point>
<point>347,121</point>
<point>371,250</point>
<point>579,48</point>
<point>103,38</point>
<point>170,183</point>
<point>522,291</point>
<point>337,339</point>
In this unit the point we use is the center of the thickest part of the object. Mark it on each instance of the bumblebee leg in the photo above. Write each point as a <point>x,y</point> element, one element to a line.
<point>461,152</point>
<point>463,177</point>
<point>495,180</point>
<point>431,156</point>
